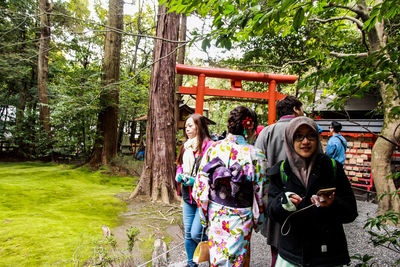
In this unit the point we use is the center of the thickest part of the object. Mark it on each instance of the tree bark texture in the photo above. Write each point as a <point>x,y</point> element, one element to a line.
<point>105,147</point>
<point>383,149</point>
<point>19,121</point>
<point>120,133</point>
<point>157,178</point>
<point>43,64</point>
<point>181,60</point>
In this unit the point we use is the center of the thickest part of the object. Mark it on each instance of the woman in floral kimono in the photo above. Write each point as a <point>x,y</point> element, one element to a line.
<point>229,189</point>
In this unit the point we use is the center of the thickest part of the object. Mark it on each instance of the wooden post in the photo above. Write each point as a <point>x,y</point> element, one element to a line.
<point>272,102</point>
<point>201,87</point>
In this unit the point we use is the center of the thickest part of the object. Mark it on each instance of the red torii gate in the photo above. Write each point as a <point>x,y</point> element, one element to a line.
<point>236,77</point>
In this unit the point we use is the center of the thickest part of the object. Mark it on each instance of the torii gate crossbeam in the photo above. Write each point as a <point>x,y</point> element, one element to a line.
<point>236,77</point>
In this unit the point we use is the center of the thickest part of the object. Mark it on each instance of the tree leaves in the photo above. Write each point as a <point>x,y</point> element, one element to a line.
<point>205,44</point>
<point>228,9</point>
<point>298,18</point>
<point>388,9</point>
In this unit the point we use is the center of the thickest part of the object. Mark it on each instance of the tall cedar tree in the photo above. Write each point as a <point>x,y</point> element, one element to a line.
<point>157,178</point>
<point>105,147</point>
<point>43,64</point>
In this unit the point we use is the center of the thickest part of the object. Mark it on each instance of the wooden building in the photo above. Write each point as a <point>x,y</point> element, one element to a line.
<point>360,132</point>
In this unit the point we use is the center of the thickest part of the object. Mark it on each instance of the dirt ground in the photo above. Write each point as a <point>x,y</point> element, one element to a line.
<point>154,220</point>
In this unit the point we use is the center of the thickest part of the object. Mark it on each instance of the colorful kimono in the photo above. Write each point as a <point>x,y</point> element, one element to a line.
<point>229,189</point>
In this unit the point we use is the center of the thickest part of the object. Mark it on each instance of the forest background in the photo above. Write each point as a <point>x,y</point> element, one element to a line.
<point>75,74</point>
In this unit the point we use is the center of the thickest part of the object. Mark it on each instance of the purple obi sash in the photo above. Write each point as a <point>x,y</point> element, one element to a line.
<point>229,186</point>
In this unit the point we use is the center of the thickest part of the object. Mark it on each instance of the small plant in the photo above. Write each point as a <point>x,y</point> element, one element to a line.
<point>105,253</point>
<point>132,233</point>
<point>363,259</point>
<point>111,241</point>
<point>103,256</point>
<point>381,234</point>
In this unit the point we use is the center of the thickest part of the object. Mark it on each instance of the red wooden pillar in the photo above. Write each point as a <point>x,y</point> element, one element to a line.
<point>272,102</point>
<point>201,87</point>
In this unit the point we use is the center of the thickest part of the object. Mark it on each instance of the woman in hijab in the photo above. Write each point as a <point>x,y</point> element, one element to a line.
<point>229,190</point>
<point>190,154</point>
<point>311,226</point>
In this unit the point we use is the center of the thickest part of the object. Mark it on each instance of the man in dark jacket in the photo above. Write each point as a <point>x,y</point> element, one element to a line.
<point>271,142</point>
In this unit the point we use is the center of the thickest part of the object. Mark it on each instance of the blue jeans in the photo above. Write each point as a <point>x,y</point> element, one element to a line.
<point>193,230</point>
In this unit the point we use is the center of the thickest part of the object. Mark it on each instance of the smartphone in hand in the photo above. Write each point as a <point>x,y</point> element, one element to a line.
<point>326,191</point>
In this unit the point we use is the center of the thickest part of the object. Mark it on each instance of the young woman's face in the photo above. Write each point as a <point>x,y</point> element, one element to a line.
<point>190,128</point>
<point>305,141</point>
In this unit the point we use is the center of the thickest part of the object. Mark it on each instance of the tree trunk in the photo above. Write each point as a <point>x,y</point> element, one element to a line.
<point>181,60</point>
<point>43,64</point>
<point>382,153</point>
<point>383,149</point>
<point>20,120</point>
<point>138,38</point>
<point>380,166</point>
<point>121,133</point>
<point>157,178</point>
<point>132,135</point>
<point>105,147</point>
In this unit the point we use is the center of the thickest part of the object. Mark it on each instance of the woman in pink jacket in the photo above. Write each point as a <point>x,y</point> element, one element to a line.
<point>190,154</point>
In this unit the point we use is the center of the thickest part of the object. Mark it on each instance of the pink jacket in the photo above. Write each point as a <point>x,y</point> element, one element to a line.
<point>179,169</point>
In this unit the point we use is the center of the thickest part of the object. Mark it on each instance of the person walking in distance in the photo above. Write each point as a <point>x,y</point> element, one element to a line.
<point>337,145</point>
<point>188,161</point>
<point>271,142</point>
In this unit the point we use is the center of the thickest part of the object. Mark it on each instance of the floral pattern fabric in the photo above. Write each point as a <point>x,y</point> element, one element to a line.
<point>229,229</point>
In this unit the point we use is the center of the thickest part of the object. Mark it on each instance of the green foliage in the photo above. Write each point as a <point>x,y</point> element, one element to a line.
<point>387,9</point>
<point>383,235</point>
<point>364,259</point>
<point>111,240</point>
<point>52,214</point>
<point>132,233</point>
<point>267,22</point>
<point>380,231</point>
<point>127,164</point>
<point>105,252</point>
<point>75,65</point>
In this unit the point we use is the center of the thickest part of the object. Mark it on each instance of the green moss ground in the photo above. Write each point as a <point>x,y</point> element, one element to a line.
<point>52,214</point>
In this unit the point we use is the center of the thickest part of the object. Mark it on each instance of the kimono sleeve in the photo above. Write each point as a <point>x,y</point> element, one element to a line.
<point>201,189</point>
<point>259,189</point>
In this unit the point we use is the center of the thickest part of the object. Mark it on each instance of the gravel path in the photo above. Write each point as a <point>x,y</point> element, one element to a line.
<point>357,238</point>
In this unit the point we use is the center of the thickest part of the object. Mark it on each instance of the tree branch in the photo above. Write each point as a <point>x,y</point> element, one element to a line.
<point>356,21</point>
<point>108,28</point>
<point>358,55</point>
<point>378,135</point>
<point>351,8</point>
<point>276,67</point>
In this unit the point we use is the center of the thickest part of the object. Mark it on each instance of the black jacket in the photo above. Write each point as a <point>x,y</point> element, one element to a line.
<point>316,236</point>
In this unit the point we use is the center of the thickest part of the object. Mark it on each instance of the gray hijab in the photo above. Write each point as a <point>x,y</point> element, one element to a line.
<point>300,166</point>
